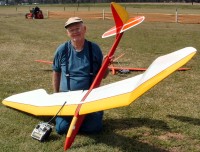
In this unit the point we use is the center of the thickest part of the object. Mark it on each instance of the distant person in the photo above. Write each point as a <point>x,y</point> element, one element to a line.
<point>35,12</point>
<point>76,63</point>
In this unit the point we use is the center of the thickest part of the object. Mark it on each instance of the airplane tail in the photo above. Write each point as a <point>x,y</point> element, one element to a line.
<point>122,21</point>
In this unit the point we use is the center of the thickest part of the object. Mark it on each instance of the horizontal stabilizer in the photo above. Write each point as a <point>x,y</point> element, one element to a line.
<point>132,22</point>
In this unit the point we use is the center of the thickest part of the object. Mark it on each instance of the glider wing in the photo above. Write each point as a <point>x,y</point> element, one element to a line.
<point>38,102</point>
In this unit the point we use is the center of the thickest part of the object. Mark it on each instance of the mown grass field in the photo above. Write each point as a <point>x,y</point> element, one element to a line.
<point>165,119</point>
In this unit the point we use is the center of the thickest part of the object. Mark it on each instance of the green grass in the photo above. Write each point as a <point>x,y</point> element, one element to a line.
<point>167,118</point>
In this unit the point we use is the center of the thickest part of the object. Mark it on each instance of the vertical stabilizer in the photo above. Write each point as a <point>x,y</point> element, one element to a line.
<point>120,16</point>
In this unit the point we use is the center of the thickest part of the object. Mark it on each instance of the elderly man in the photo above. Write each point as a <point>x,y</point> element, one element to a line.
<point>76,62</point>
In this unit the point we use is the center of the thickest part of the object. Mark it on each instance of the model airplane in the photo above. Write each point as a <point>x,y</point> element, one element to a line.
<point>79,103</point>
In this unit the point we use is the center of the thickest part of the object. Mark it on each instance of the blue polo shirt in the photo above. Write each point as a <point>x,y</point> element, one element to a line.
<point>78,65</point>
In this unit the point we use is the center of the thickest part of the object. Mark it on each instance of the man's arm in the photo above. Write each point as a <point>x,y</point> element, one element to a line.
<point>56,81</point>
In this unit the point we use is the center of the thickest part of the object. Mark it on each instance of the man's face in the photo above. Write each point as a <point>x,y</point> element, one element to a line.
<point>76,32</point>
